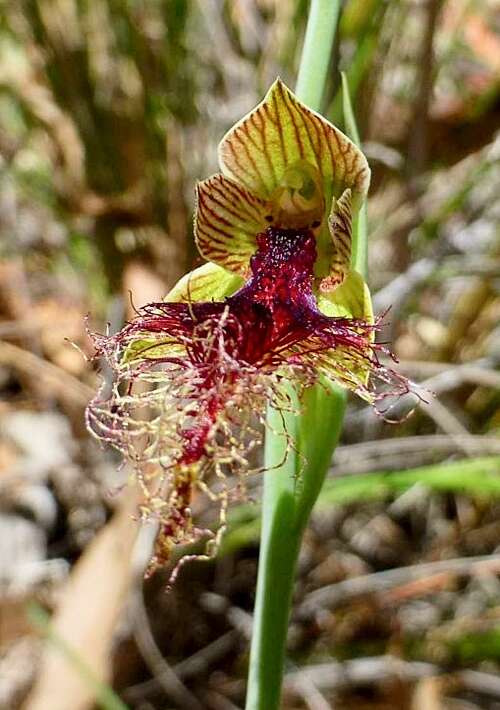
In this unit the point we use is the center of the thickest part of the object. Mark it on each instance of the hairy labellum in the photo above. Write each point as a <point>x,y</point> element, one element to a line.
<point>192,380</point>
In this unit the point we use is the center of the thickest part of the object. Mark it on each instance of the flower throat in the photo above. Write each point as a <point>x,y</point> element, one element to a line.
<point>282,267</point>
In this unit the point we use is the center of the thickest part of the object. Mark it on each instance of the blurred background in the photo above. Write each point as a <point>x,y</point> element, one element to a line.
<point>110,110</point>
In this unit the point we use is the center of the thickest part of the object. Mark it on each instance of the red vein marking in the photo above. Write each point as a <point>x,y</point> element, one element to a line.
<point>293,109</point>
<point>238,138</point>
<point>208,243</point>
<point>236,161</point>
<point>332,132</point>
<point>245,128</point>
<point>341,245</point>
<point>265,108</point>
<point>239,221</point>
<point>279,128</point>
<point>232,186</point>
<point>219,232</point>
<point>215,216</point>
<point>264,147</point>
<point>361,171</point>
<point>252,212</point>
<point>204,208</point>
<point>246,209</point>
<point>317,152</point>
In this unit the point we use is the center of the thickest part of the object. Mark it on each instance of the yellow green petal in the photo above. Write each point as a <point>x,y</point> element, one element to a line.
<point>345,365</point>
<point>349,300</point>
<point>150,348</point>
<point>209,282</point>
<point>206,283</point>
<point>349,368</point>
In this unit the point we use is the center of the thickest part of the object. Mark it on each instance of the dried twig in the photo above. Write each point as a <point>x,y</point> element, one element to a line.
<point>446,375</point>
<point>56,379</point>
<point>399,289</point>
<point>377,582</point>
<point>312,696</point>
<point>360,671</point>
<point>194,665</point>
<point>354,458</point>
<point>448,422</point>
<point>366,671</point>
<point>163,672</point>
<point>217,701</point>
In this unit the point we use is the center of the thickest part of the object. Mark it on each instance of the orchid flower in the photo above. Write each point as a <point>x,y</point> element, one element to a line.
<point>276,302</point>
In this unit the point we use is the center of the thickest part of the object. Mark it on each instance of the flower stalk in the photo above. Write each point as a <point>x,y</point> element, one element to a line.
<point>291,491</point>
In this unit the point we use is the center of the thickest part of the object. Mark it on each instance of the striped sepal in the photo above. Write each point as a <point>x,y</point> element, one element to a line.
<point>228,219</point>
<point>282,131</point>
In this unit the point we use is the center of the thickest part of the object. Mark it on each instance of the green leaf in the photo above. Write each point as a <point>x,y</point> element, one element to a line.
<point>477,477</point>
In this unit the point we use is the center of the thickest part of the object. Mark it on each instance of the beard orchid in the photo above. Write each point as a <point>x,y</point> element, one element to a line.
<point>276,302</point>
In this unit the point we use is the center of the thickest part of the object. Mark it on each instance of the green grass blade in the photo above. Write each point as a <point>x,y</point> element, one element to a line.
<point>477,478</point>
<point>105,696</point>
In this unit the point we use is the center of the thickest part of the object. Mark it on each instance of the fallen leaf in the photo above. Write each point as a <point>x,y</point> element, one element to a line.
<point>87,615</point>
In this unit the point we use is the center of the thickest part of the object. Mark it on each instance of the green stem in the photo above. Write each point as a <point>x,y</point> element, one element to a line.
<point>316,52</point>
<point>276,564</point>
<point>291,490</point>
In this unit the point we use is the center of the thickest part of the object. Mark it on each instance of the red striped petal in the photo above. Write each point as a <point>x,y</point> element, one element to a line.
<point>228,219</point>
